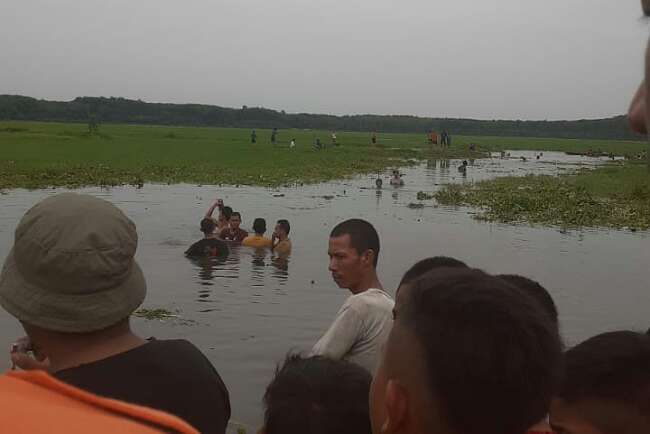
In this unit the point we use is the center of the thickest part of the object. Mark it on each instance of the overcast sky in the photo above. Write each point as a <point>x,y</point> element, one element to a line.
<point>499,59</point>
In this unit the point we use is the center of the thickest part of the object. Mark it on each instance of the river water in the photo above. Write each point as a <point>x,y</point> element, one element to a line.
<point>247,312</point>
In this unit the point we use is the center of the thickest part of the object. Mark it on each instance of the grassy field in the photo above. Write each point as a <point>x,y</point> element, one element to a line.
<point>616,195</point>
<point>34,155</point>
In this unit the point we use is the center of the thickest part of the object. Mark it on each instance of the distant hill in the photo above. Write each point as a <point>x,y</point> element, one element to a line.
<point>121,110</point>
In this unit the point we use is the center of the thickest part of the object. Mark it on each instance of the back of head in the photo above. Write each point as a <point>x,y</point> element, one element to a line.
<point>493,360</point>
<point>534,290</point>
<point>363,236</point>
<point>317,395</point>
<point>259,226</point>
<point>207,226</point>
<point>227,212</point>
<point>425,265</point>
<point>72,266</point>
<point>613,368</point>
<point>284,225</point>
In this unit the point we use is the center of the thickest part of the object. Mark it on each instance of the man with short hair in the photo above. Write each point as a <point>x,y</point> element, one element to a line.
<point>467,354</point>
<point>258,240</point>
<point>72,281</point>
<point>317,395</point>
<point>363,323</point>
<point>606,386</point>
<point>281,244</point>
<point>210,245</point>
<point>234,232</point>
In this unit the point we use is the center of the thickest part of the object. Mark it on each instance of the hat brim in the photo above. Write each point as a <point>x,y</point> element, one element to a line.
<point>71,313</point>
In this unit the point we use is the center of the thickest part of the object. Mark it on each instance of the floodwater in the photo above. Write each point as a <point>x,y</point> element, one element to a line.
<point>247,312</point>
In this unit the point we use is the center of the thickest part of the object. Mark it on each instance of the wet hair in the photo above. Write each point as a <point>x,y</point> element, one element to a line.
<point>207,225</point>
<point>226,211</point>
<point>235,214</point>
<point>428,264</point>
<point>493,359</point>
<point>378,182</point>
<point>317,395</point>
<point>259,226</point>
<point>612,367</point>
<point>363,236</point>
<point>536,291</point>
<point>284,224</point>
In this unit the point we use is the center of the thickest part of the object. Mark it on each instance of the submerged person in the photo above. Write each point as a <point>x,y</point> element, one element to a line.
<point>78,324</point>
<point>258,240</point>
<point>362,324</point>
<point>210,245</point>
<point>379,183</point>
<point>397,178</point>
<point>234,232</point>
<point>317,395</point>
<point>463,167</point>
<point>280,242</point>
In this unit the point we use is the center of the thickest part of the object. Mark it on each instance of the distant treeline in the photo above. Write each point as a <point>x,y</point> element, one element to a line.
<point>121,110</point>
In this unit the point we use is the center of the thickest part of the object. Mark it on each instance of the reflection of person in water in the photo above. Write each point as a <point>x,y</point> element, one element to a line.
<point>397,178</point>
<point>210,245</point>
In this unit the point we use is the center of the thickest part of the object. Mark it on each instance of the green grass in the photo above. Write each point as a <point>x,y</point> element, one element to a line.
<point>616,196</point>
<point>39,154</point>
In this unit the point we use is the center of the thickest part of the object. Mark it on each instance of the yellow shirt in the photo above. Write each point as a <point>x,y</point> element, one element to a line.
<point>258,241</point>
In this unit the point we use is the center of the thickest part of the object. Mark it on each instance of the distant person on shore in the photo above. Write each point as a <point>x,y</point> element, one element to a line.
<point>434,138</point>
<point>317,145</point>
<point>258,240</point>
<point>466,355</point>
<point>253,137</point>
<point>210,245</point>
<point>396,180</point>
<point>606,388</point>
<point>334,143</point>
<point>317,395</point>
<point>373,138</point>
<point>72,281</point>
<point>274,135</point>
<point>280,242</point>
<point>233,232</point>
<point>361,326</point>
<point>292,144</point>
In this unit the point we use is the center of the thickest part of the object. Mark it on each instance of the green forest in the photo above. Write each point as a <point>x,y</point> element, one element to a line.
<point>121,110</point>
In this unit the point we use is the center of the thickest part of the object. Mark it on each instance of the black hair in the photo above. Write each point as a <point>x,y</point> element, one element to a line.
<point>363,236</point>
<point>428,264</point>
<point>534,290</point>
<point>235,214</point>
<point>317,395</point>
<point>493,359</point>
<point>612,367</point>
<point>284,224</point>
<point>226,211</point>
<point>207,225</point>
<point>259,226</point>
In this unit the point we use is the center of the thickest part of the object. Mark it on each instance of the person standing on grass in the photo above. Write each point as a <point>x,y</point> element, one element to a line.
<point>253,137</point>
<point>363,323</point>
<point>274,134</point>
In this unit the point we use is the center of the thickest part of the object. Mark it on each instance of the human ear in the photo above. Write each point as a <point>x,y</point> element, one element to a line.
<point>396,408</point>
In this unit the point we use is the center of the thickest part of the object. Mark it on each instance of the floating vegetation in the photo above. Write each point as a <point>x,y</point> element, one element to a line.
<point>415,205</point>
<point>155,314</point>
<point>424,196</point>
<point>616,196</point>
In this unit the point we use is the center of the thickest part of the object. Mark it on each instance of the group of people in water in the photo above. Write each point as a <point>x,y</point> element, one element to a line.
<point>226,229</point>
<point>457,351</point>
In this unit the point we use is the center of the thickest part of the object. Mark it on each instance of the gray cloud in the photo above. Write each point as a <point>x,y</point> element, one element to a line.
<point>552,59</point>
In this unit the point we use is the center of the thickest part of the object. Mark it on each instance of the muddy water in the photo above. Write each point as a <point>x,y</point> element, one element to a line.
<point>246,312</point>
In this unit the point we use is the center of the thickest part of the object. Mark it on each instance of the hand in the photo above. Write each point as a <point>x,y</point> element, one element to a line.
<point>220,203</point>
<point>21,359</point>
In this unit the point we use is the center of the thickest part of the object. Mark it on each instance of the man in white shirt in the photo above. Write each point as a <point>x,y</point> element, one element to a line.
<point>363,323</point>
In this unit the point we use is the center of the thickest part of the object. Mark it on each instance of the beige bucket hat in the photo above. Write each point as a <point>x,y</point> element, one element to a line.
<point>72,266</point>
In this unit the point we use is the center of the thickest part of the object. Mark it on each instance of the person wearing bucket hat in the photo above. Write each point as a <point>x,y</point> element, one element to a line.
<point>72,281</point>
